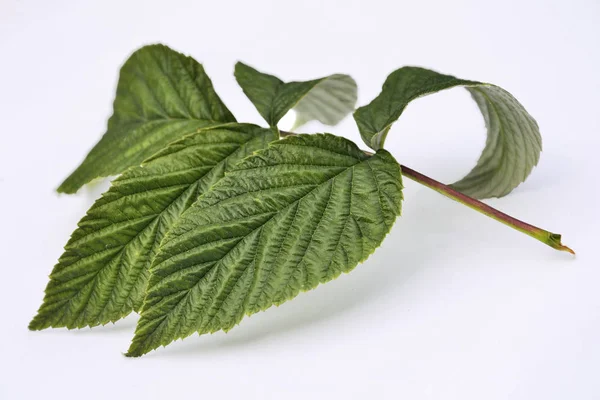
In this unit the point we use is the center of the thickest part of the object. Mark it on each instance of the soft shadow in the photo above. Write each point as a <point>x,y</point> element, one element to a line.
<point>409,247</point>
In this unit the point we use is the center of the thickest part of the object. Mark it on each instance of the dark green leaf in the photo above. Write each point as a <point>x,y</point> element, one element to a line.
<point>102,275</point>
<point>162,96</point>
<point>513,143</point>
<point>282,221</point>
<point>327,100</point>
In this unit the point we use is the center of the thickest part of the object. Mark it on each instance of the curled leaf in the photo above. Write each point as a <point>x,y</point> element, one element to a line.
<point>513,142</point>
<point>327,100</point>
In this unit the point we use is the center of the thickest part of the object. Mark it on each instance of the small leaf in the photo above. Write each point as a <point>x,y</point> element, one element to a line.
<point>162,96</point>
<point>102,275</point>
<point>327,100</point>
<point>513,143</point>
<point>282,221</point>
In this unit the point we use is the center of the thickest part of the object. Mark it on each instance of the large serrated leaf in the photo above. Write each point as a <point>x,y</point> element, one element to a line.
<point>162,95</point>
<point>513,143</point>
<point>102,275</point>
<point>284,220</point>
<point>327,100</point>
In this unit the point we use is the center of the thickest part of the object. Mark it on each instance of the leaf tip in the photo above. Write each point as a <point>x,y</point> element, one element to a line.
<point>36,324</point>
<point>133,352</point>
<point>136,349</point>
<point>241,67</point>
<point>74,182</point>
<point>64,188</point>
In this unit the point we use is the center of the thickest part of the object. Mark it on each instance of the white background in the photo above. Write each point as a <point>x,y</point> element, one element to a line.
<point>453,305</point>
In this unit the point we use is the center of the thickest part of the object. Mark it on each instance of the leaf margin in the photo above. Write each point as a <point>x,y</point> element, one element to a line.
<point>132,85</point>
<point>46,317</point>
<point>136,349</point>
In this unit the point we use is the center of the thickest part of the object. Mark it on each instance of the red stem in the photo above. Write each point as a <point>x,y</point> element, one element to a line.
<point>551,239</point>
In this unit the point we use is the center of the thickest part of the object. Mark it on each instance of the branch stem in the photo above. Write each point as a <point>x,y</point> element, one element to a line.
<point>546,237</point>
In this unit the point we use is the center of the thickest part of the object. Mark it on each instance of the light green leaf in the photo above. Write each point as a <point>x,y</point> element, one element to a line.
<point>282,221</point>
<point>162,95</point>
<point>327,100</point>
<point>102,275</point>
<point>513,143</point>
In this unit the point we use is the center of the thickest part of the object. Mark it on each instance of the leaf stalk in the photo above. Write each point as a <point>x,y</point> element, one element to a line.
<point>548,238</point>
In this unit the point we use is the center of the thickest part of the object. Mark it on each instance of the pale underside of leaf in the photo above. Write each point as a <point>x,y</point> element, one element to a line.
<point>162,95</point>
<point>513,142</point>
<point>512,148</point>
<point>284,220</point>
<point>102,275</point>
<point>327,100</point>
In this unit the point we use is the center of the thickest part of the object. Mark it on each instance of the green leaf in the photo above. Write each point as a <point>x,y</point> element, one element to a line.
<point>282,221</point>
<point>513,143</point>
<point>102,275</point>
<point>162,95</point>
<point>327,100</point>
